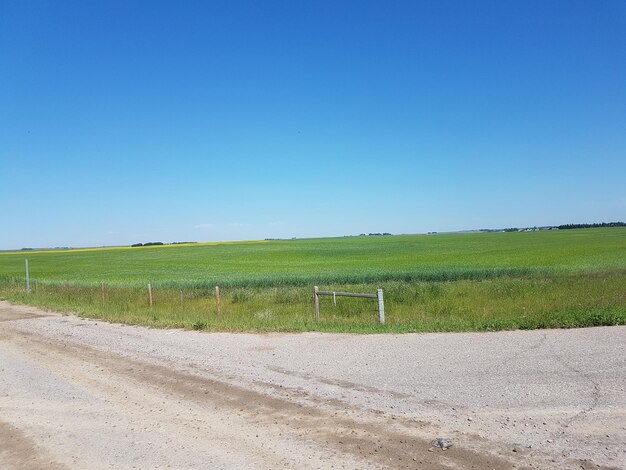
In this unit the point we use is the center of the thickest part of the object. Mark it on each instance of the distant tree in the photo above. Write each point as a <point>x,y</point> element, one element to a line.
<point>600,225</point>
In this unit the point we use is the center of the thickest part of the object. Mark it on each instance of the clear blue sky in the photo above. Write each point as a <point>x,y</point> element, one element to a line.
<point>133,121</point>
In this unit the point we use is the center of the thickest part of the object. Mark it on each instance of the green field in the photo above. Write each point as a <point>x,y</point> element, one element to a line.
<point>472,281</point>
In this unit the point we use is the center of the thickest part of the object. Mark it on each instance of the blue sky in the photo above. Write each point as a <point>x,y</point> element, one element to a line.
<point>129,121</point>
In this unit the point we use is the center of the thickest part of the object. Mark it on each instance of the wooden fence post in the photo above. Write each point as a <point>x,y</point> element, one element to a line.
<point>150,294</point>
<point>27,278</point>
<point>217,300</point>
<point>316,304</point>
<point>381,306</point>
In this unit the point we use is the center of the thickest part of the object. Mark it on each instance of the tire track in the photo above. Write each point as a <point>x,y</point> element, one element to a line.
<point>372,443</point>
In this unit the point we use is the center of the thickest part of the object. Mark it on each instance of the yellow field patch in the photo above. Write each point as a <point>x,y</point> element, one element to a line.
<point>120,248</point>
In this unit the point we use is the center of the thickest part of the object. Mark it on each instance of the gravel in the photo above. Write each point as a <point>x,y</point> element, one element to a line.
<point>549,398</point>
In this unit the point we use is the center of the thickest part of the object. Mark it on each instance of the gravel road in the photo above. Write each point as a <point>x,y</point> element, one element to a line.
<point>78,394</point>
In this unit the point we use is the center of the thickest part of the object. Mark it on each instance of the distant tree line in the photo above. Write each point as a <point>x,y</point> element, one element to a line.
<point>160,243</point>
<point>600,225</point>
<point>147,244</point>
<point>557,227</point>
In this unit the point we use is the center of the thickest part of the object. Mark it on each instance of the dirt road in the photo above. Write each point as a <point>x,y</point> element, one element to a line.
<point>85,394</point>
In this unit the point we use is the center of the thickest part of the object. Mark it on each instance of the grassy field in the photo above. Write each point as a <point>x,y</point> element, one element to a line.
<point>443,282</point>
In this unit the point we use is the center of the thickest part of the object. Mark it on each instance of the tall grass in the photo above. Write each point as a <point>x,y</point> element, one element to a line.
<point>570,300</point>
<point>484,281</point>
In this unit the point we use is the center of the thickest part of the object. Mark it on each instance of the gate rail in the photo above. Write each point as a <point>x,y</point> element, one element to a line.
<point>378,295</point>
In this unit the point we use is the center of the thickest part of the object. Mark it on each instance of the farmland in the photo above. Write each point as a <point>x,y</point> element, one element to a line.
<point>443,282</point>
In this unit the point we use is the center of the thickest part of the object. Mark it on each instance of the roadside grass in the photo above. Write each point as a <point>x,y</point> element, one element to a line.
<point>565,300</point>
<point>447,282</point>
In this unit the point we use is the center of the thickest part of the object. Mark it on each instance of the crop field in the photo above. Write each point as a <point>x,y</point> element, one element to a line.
<point>441,282</point>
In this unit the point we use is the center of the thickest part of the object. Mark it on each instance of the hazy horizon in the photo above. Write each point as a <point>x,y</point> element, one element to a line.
<point>177,242</point>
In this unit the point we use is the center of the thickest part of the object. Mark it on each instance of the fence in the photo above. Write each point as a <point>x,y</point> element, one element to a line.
<point>164,301</point>
<point>378,295</point>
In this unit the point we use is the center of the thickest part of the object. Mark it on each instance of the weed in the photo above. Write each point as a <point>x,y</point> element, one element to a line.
<point>199,325</point>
